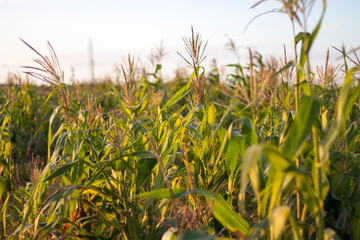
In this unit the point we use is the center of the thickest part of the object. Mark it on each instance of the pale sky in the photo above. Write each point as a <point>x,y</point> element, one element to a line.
<point>121,27</point>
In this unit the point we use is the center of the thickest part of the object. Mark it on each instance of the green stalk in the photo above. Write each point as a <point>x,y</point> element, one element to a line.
<point>297,92</point>
<point>298,201</point>
<point>308,77</point>
<point>317,173</point>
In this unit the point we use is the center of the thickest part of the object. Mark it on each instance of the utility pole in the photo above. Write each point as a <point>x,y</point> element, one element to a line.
<point>92,64</point>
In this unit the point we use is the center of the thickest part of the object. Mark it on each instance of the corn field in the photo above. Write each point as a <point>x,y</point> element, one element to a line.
<point>272,152</point>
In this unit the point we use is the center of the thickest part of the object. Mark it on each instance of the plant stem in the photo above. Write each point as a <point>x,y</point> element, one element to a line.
<point>162,169</point>
<point>298,201</point>
<point>161,165</point>
<point>318,186</point>
<point>297,92</point>
<point>252,97</point>
<point>187,163</point>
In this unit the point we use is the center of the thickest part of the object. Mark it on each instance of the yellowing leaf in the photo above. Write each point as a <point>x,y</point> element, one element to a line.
<point>212,114</point>
<point>279,218</point>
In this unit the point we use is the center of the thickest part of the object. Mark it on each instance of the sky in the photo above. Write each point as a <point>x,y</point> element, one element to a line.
<point>137,27</point>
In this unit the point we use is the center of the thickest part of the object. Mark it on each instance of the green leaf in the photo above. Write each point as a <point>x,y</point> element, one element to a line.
<point>177,97</point>
<point>2,185</point>
<point>145,166</point>
<point>356,222</point>
<point>290,64</point>
<point>60,171</point>
<point>163,193</point>
<point>300,128</point>
<point>224,214</point>
<point>347,96</point>
<point>49,96</point>
<point>58,195</point>
<point>224,118</point>
<point>235,146</point>
<point>109,217</point>
<point>3,210</point>
<point>295,228</point>
<point>180,93</point>
<point>144,154</point>
<point>249,131</point>
<point>38,188</point>
<point>158,68</point>
<point>305,185</point>
<point>251,165</point>
<point>277,159</point>
<point>222,211</point>
<point>301,36</point>
<point>307,41</point>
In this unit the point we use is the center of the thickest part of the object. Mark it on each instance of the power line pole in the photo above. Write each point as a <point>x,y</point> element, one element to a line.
<point>92,63</point>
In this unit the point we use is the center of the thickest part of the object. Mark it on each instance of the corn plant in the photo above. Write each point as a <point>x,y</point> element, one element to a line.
<point>270,153</point>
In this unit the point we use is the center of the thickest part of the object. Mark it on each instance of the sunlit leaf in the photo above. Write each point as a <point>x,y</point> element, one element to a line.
<point>224,214</point>
<point>301,126</point>
<point>279,217</point>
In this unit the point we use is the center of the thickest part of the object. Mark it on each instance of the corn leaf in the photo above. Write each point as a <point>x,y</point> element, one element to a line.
<point>301,126</point>
<point>224,214</point>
